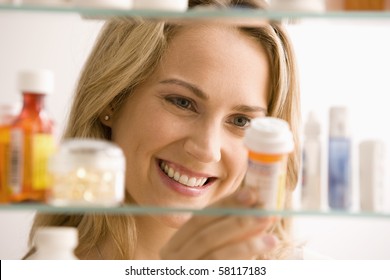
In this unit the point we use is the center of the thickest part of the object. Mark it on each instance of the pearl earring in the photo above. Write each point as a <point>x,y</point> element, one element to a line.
<point>106,117</point>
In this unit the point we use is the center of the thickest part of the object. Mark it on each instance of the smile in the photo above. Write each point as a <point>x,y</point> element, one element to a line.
<point>183,179</point>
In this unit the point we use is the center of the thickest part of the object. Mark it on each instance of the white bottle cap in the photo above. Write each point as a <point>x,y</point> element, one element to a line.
<point>36,81</point>
<point>56,237</point>
<point>312,125</point>
<point>338,122</point>
<point>269,136</point>
<point>169,5</point>
<point>90,153</point>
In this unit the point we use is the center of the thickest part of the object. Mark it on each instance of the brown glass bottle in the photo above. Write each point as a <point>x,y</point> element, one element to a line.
<point>32,141</point>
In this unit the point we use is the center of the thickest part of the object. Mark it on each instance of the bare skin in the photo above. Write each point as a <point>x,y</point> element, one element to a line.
<point>189,118</point>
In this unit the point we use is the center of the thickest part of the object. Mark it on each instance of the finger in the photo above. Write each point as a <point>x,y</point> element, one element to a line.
<point>242,199</point>
<point>224,232</point>
<point>246,249</point>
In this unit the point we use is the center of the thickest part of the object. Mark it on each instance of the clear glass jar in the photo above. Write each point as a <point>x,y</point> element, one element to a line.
<point>87,172</point>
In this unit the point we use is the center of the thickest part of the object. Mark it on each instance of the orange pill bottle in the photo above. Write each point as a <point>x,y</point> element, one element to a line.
<point>269,141</point>
<point>31,139</point>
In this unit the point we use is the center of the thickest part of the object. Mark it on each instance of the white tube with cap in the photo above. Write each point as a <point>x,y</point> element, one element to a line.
<point>372,175</point>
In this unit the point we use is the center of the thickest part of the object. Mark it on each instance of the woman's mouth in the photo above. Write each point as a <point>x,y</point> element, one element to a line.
<point>184,179</point>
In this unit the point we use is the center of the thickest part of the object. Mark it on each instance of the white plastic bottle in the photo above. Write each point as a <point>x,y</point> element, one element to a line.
<point>311,167</point>
<point>55,243</point>
<point>372,175</point>
<point>269,141</point>
<point>339,160</point>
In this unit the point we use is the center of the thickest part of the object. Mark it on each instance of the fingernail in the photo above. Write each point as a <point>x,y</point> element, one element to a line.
<point>270,240</point>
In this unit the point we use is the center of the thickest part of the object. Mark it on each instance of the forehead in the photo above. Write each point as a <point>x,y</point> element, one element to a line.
<point>212,54</point>
<point>212,38</point>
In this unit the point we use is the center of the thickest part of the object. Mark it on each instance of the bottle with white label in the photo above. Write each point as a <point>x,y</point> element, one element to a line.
<point>32,139</point>
<point>55,243</point>
<point>269,141</point>
<point>311,164</point>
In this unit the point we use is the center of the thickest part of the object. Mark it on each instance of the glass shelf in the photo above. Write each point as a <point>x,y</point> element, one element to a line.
<point>137,210</point>
<point>200,14</point>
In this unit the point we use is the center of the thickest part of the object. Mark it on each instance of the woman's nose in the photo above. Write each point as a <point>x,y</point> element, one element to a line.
<point>204,144</point>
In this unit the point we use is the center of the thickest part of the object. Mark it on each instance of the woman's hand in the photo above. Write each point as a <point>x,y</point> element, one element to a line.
<point>223,237</point>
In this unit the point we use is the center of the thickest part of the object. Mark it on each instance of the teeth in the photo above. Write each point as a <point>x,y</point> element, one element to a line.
<point>182,179</point>
<point>191,182</point>
<point>171,172</point>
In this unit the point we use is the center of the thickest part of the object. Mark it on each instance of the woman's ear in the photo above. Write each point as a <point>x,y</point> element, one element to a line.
<point>106,117</point>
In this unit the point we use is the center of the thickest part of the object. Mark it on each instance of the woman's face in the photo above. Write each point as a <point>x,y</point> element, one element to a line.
<point>182,130</point>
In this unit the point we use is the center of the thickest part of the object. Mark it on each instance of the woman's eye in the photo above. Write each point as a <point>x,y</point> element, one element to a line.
<point>182,102</point>
<point>241,121</point>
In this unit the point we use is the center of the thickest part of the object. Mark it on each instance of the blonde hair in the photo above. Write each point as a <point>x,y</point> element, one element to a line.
<point>126,54</point>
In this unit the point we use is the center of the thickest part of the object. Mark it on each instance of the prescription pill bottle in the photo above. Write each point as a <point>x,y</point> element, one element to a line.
<point>87,172</point>
<point>269,141</point>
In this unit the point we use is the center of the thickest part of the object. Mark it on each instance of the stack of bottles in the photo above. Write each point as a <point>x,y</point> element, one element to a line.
<point>34,168</point>
<point>371,157</point>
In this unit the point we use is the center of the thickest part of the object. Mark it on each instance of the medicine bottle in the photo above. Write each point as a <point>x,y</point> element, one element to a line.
<point>8,112</point>
<point>372,175</point>
<point>32,140</point>
<point>269,141</point>
<point>339,160</point>
<point>87,172</point>
<point>55,243</point>
<point>311,164</point>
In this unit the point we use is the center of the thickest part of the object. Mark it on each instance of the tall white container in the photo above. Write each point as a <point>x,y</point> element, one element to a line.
<point>372,175</point>
<point>311,169</point>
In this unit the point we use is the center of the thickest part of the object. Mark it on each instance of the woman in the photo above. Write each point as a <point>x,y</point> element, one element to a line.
<point>177,97</point>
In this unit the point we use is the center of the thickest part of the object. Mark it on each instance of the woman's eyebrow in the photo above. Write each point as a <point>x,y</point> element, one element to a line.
<point>197,91</point>
<point>201,94</point>
<point>250,109</point>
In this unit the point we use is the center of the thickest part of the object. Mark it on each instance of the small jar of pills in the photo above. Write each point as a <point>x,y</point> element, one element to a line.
<point>87,172</point>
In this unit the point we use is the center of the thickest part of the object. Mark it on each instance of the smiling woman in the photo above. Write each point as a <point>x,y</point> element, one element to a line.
<point>177,99</point>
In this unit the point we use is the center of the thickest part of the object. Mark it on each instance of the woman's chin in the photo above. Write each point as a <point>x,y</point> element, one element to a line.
<point>174,221</point>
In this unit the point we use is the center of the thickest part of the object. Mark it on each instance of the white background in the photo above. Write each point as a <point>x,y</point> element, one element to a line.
<point>341,63</point>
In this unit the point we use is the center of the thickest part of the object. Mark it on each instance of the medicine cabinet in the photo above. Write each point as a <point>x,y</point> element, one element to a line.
<point>229,15</point>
